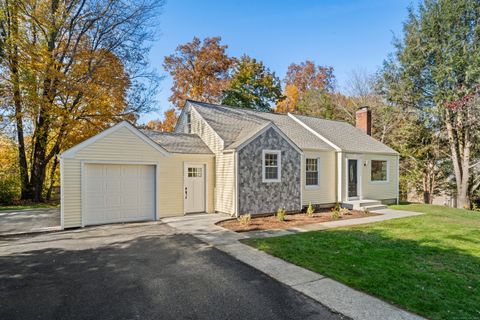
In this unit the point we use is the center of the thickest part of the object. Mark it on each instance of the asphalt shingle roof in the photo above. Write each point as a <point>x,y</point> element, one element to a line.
<point>345,136</point>
<point>179,142</point>
<point>235,124</point>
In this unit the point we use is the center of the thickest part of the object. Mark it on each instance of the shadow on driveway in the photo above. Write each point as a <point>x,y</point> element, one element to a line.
<point>149,277</point>
<point>29,220</point>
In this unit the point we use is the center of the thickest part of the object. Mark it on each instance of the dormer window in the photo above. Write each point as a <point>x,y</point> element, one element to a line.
<point>189,122</point>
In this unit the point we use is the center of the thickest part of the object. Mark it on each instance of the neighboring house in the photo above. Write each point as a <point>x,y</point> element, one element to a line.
<point>225,159</point>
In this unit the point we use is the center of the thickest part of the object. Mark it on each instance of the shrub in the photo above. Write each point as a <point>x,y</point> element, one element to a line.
<point>9,189</point>
<point>336,207</point>
<point>310,210</point>
<point>280,214</point>
<point>335,214</point>
<point>245,219</point>
<point>344,211</point>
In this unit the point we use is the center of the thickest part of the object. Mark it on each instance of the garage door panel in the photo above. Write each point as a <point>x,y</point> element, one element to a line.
<point>119,193</point>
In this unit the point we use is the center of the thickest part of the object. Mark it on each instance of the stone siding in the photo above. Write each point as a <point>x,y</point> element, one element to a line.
<point>257,197</point>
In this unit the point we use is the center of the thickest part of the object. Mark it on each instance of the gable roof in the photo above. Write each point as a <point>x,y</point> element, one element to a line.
<point>342,134</point>
<point>236,124</point>
<point>124,124</point>
<point>179,142</point>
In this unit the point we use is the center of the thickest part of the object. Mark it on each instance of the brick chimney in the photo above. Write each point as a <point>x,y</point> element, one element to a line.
<point>364,120</point>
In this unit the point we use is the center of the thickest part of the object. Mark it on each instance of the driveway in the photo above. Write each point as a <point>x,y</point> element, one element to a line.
<point>137,271</point>
<point>29,220</point>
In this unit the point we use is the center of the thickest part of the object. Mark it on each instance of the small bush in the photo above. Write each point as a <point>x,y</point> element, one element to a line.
<point>280,214</point>
<point>336,207</point>
<point>335,215</point>
<point>310,210</point>
<point>245,219</point>
<point>344,211</point>
<point>9,190</point>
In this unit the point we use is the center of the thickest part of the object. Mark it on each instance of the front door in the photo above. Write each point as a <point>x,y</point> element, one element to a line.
<point>352,178</point>
<point>194,193</point>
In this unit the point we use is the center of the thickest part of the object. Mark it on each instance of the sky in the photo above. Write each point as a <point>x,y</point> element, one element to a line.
<point>345,34</point>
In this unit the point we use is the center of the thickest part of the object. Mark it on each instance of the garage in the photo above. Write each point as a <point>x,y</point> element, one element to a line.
<point>118,193</point>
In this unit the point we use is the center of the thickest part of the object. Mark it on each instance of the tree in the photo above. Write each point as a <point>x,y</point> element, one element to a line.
<point>200,71</point>
<point>69,70</point>
<point>252,86</point>
<point>167,124</point>
<point>437,71</point>
<point>305,80</point>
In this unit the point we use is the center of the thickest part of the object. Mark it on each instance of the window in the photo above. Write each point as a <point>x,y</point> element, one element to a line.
<point>271,164</point>
<point>311,172</point>
<point>194,172</point>
<point>379,171</point>
<point>189,122</point>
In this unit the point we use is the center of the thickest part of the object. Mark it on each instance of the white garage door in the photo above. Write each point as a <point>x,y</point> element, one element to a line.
<point>118,193</point>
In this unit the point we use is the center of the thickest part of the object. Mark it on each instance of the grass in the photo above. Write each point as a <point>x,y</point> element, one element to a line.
<point>29,206</point>
<point>427,264</point>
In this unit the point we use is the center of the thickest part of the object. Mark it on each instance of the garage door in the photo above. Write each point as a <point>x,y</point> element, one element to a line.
<point>118,193</point>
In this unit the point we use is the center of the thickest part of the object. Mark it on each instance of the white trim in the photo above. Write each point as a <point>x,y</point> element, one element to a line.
<point>236,198</point>
<point>83,187</point>
<point>62,195</point>
<point>313,186</point>
<point>279,165</point>
<point>205,179</point>
<point>398,179</point>
<point>339,168</point>
<point>314,132</point>
<point>70,153</point>
<point>370,172</point>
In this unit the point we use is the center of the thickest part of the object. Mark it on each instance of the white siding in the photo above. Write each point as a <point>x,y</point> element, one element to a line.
<point>325,192</point>
<point>171,193</point>
<point>380,190</point>
<point>123,146</point>
<point>225,183</point>
<point>368,189</point>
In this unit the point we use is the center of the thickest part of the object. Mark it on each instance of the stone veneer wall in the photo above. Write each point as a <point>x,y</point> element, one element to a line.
<point>256,196</point>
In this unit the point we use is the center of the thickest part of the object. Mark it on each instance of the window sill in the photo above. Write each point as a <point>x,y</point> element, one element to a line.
<point>312,187</point>
<point>379,182</point>
<point>271,181</point>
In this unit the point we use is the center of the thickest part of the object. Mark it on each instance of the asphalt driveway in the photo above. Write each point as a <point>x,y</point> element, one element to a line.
<point>29,220</point>
<point>137,271</point>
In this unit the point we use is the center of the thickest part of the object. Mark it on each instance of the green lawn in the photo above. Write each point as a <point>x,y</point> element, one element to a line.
<point>428,264</point>
<point>31,206</point>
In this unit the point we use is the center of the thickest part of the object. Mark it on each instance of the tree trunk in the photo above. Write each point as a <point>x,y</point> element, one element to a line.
<point>52,179</point>
<point>460,163</point>
<point>26,189</point>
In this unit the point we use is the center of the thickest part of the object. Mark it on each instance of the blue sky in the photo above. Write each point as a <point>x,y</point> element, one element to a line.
<point>345,34</point>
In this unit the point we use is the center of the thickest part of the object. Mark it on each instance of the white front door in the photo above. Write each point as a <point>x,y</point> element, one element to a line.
<point>194,193</point>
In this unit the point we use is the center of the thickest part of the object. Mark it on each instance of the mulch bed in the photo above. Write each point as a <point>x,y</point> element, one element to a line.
<point>291,220</point>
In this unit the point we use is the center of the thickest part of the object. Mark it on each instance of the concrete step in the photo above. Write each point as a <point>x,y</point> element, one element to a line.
<point>375,207</point>
<point>368,203</point>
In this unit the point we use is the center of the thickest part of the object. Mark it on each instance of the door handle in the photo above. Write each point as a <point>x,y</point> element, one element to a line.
<point>186,192</point>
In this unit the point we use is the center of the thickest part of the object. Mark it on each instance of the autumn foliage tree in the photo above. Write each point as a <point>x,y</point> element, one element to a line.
<point>200,71</point>
<point>69,69</point>
<point>167,124</point>
<point>303,81</point>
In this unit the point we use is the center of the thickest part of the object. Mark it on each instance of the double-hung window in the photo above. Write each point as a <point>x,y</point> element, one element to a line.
<point>311,172</point>
<point>271,165</point>
<point>379,171</point>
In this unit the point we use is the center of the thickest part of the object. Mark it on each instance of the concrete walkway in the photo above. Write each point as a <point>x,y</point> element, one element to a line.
<point>333,294</point>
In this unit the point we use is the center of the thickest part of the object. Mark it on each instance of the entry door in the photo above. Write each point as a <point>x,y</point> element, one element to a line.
<point>194,193</point>
<point>352,178</point>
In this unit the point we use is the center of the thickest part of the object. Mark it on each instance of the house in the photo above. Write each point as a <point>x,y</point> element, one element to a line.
<point>225,159</point>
